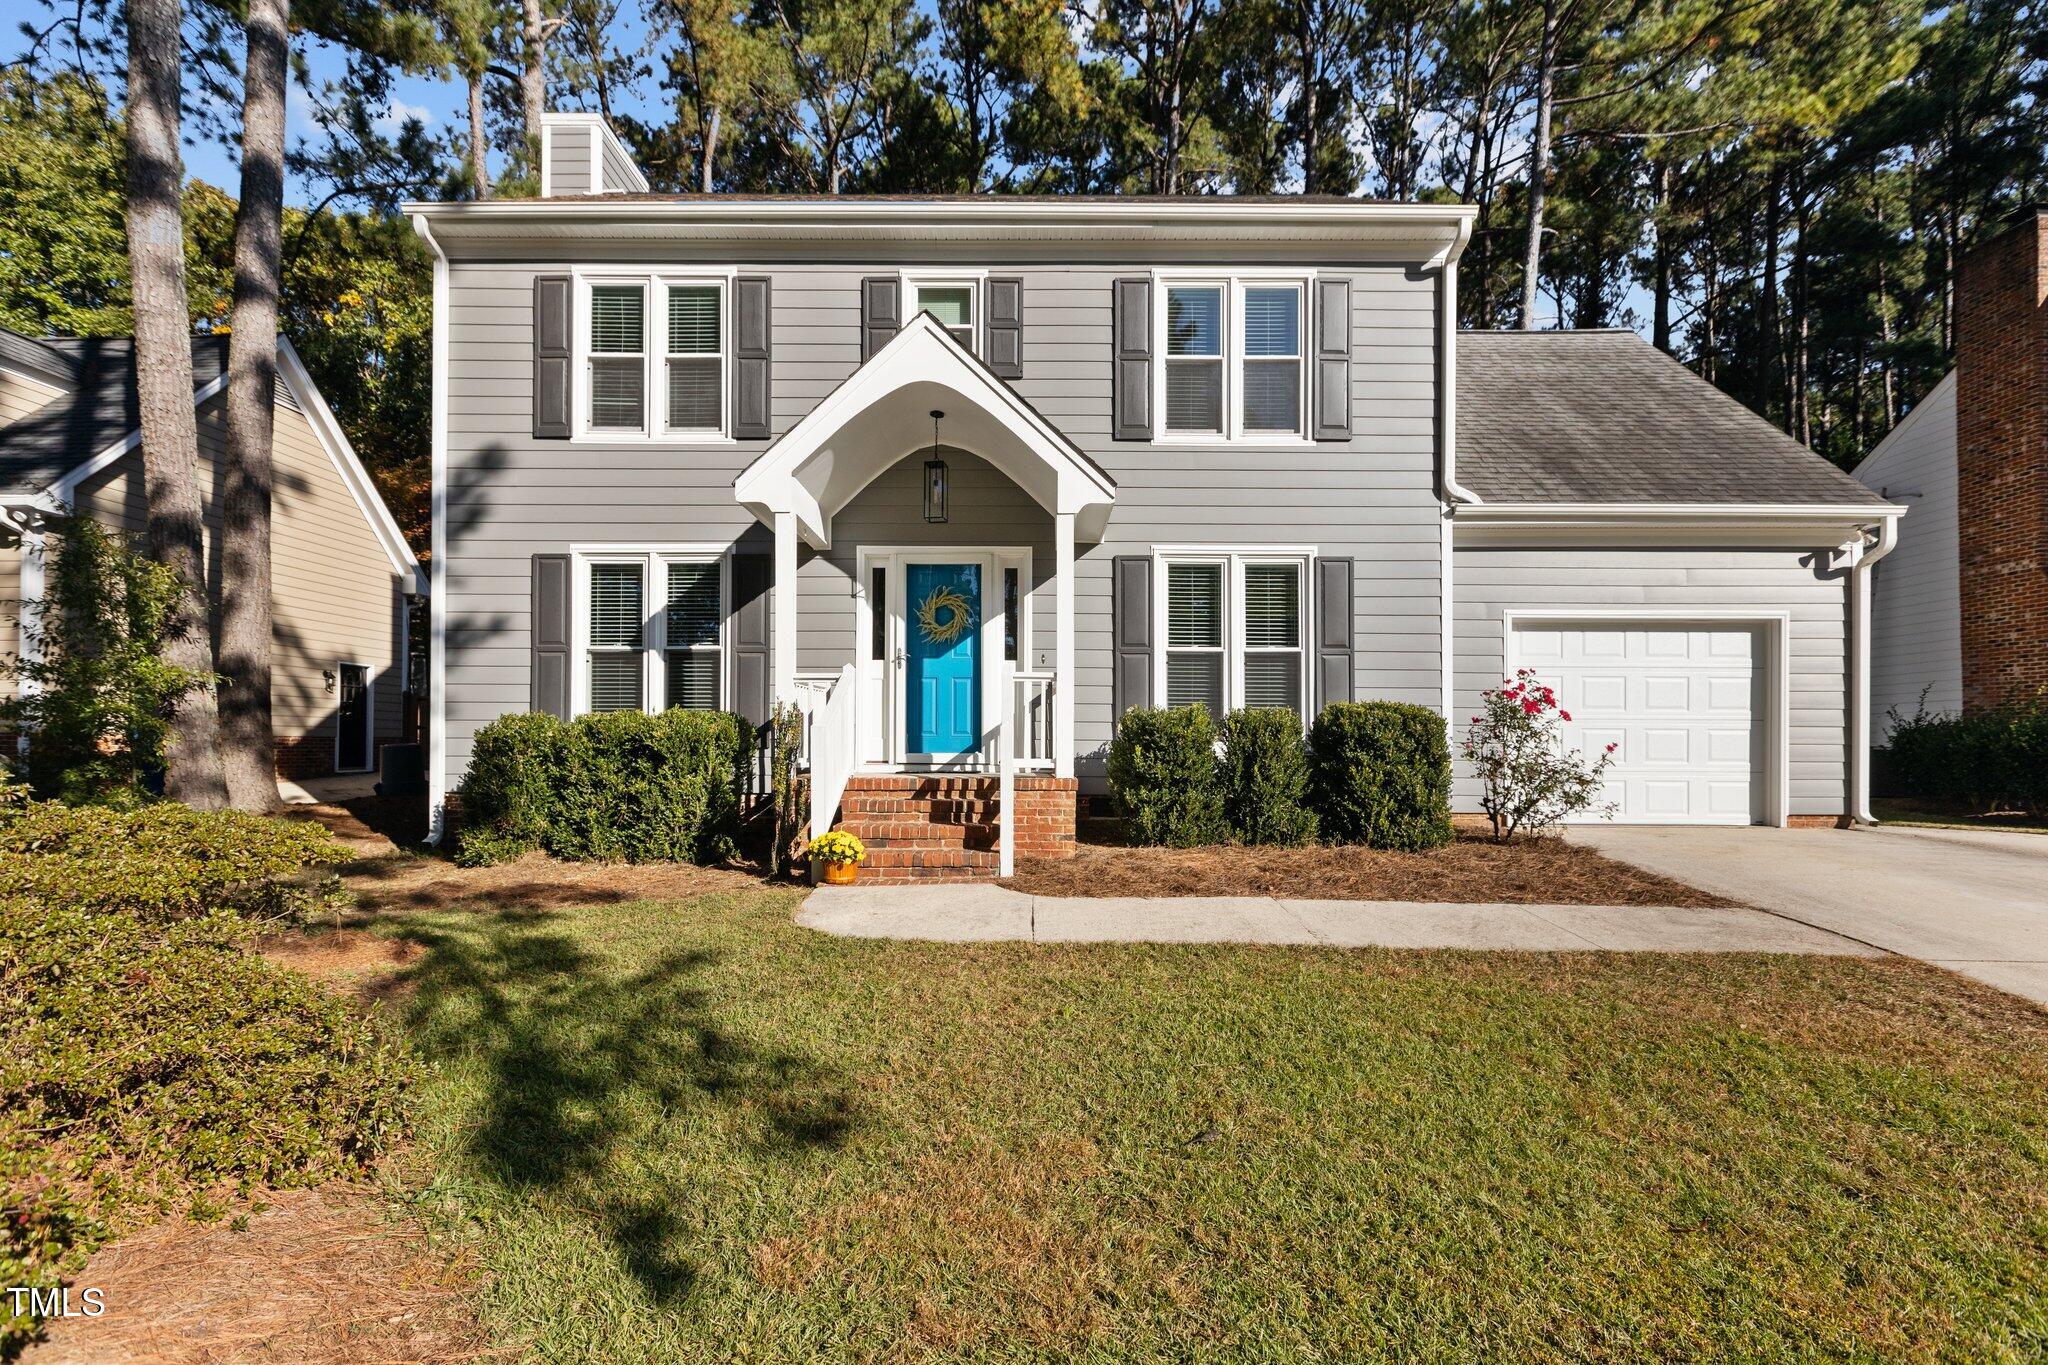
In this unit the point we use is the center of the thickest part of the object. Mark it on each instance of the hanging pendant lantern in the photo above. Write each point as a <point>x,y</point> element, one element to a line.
<point>935,477</point>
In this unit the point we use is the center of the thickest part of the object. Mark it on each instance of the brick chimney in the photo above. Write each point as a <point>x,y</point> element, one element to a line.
<point>2002,461</point>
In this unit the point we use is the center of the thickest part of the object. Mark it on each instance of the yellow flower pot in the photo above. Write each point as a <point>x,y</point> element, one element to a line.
<point>841,874</point>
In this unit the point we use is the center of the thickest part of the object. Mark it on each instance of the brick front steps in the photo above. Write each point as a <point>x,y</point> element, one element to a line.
<point>944,827</point>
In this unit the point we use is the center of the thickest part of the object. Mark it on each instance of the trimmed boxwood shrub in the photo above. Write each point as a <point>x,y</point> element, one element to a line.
<point>1162,772</point>
<point>1380,775</point>
<point>1994,759</point>
<point>622,786</point>
<point>1265,778</point>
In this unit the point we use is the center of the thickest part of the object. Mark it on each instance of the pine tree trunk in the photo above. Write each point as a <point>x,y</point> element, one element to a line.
<point>479,140</point>
<point>1773,350</point>
<point>1660,227</point>
<point>533,76</point>
<point>1310,142</point>
<point>163,380</point>
<point>248,747</point>
<point>710,148</point>
<point>1539,165</point>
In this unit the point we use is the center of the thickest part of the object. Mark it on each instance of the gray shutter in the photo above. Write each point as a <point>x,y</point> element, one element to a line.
<point>1006,328</point>
<point>1333,360</point>
<point>1130,611</point>
<point>551,313</point>
<point>753,300</point>
<point>1130,405</point>
<point>881,312</point>
<point>1334,632</point>
<point>548,678</point>
<point>752,575</point>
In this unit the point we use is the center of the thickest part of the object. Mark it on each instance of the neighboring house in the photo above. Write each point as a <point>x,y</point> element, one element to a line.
<point>968,475</point>
<point>1962,606</point>
<point>70,445</point>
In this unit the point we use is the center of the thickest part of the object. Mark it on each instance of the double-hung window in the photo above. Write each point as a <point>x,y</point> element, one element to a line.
<point>1234,630</point>
<point>637,659</point>
<point>655,357</point>
<point>618,357</point>
<point>1232,363</point>
<point>696,358</point>
<point>952,306</point>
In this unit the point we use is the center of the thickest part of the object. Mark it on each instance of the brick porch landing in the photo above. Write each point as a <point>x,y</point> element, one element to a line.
<point>921,827</point>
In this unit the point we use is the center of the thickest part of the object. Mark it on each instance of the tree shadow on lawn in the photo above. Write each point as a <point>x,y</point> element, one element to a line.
<point>586,1060</point>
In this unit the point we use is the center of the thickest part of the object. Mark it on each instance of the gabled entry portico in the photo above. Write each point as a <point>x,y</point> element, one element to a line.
<point>945,693</point>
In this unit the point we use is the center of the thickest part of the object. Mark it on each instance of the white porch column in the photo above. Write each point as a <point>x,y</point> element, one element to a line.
<point>1063,646</point>
<point>785,607</point>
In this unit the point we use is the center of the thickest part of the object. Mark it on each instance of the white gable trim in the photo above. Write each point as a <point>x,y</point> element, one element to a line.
<point>65,490</point>
<point>335,442</point>
<point>922,352</point>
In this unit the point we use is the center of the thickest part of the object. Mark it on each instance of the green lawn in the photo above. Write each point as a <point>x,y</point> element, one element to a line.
<point>692,1131</point>
<point>1899,811</point>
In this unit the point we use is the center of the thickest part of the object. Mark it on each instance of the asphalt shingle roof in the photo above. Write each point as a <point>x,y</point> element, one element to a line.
<point>99,410</point>
<point>1603,416</point>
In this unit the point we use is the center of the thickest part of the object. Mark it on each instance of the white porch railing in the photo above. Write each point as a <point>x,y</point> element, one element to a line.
<point>833,738</point>
<point>1029,722</point>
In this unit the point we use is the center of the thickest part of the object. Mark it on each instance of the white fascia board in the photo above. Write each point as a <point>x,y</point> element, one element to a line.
<point>336,443</point>
<point>66,488</point>
<point>1671,514</point>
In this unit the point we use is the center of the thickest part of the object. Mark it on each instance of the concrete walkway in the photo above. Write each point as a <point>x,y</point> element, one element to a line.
<point>983,914</point>
<point>1973,901</point>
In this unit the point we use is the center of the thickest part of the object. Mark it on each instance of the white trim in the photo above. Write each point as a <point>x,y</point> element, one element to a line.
<point>1232,284</point>
<point>652,561</point>
<point>922,352</point>
<point>1863,564</point>
<point>336,443</point>
<point>654,282</point>
<point>370,716</point>
<point>1447,377</point>
<point>547,156</point>
<point>1669,513</point>
<point>601,133</point>
<point>1776,630</point>
<point>596,161</point>
<point>1678,525</point>
<point>65,490</point>
<point>48,379</point>
<point>437,568</point>
<point>1233,560</point>
<point>914,278</point>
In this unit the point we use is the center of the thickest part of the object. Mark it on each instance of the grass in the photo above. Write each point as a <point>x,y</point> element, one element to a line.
<point>1473,868</point>
<point>689,1130</point>
<point>1902,811</point>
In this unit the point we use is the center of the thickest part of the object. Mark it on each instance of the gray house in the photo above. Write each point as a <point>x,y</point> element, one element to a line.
<point>966,477</point>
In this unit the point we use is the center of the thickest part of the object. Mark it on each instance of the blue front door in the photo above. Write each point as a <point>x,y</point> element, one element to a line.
<point>942,694</point>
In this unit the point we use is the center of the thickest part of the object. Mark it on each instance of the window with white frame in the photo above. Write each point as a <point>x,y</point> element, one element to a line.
<point>696,357</point>
<point>617,371</point>
<point>1235,631</point>
<point>1194,358</point>
<point>1233,363</point>
<point>636,659</point>
<point>951,304</point>
<point>654,357</point>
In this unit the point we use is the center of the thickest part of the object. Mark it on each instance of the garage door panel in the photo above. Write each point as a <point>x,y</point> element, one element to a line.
<point>1682,705</point>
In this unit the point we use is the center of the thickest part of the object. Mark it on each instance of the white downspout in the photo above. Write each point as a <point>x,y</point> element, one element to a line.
<point>437,570</point>
<point>1864,558</point>
<point>1452,491</point>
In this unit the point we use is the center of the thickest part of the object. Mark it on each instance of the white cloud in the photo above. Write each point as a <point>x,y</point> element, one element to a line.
<point>394,118</point>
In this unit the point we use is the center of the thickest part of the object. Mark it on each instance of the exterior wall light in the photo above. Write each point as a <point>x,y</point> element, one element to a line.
<point>935,477</point>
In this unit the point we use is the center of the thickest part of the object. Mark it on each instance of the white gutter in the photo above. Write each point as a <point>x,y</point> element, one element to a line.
<point>995,209</point>
<point>437,565</point>
<point>1862,559</point>
<point>1447,370</point>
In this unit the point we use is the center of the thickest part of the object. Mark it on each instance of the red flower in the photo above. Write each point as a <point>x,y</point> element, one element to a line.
<point>1530,708</point>
<point>1566,715</point>
<point>1612,747</point>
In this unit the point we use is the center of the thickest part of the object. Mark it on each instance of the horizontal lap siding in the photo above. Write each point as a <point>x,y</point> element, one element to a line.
<point>1490,581</point>
<point>21,395</point>
<point>334,587</point>
<point>569,161</point>
<point>1916,638</point>
<point>510,497</point>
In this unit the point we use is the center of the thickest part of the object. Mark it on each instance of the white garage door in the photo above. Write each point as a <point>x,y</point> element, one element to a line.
<point>1684,704</point>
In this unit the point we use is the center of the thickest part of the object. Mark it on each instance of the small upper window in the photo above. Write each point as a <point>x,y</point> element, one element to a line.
<point>1194,358</point>
<point>951,306</point>
<point>618,347</point>
<point>695,358</point>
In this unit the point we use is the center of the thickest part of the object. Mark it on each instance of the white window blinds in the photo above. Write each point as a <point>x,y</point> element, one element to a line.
<point>1194,359</point>
<point>1272,359</point>
<point>1194,636</point>
<point>618,626</point>
<point>618,340</point>
<point>691,628</point>
<point>1272,635</point>
<point>696,366</point>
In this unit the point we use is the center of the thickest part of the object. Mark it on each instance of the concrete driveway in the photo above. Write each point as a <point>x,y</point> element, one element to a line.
<point>1974,901</point>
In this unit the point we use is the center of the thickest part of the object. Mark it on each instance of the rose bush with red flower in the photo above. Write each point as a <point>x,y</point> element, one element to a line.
<point>1529,779</point>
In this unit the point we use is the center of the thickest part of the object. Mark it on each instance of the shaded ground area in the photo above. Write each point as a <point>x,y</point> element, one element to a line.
<point>1902,811</point>
<point>318,1276</point>
<point>372,826</point>
<point>687,1129</point>
<point>1472,869</point>
<point>534,882</point>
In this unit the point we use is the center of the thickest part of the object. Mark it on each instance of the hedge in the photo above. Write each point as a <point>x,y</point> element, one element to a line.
<point>1380,775</point>
<point>621,786</point>
<point>1994,759</point>
<point>1264,771</point>
<point>1162,772</point>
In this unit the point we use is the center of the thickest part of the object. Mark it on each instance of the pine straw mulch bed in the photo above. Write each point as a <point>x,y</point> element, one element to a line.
<point>1473,869</point>
<point>322,1276</point>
